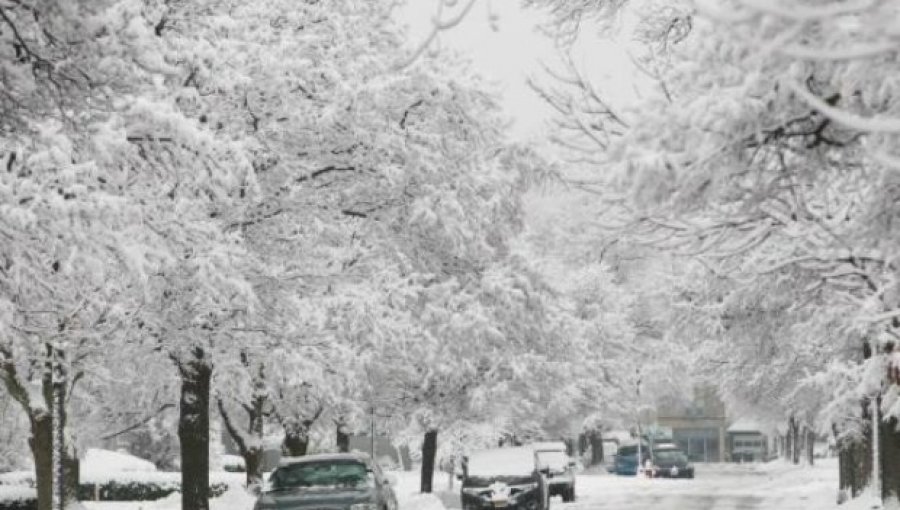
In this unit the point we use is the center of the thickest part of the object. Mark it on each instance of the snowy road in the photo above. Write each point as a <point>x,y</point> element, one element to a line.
<point>717,487</point>
<point>774,486</point>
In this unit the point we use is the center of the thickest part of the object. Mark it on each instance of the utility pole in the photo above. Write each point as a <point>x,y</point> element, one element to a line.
<point>876,439</point>
<point>640,438</point>
<point>372,430</point>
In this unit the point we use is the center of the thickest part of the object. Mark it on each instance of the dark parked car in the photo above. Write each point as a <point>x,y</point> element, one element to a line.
<point>671,463</point>
<point>345,481</point>
<point>503,478</point>
<point>626,461</point>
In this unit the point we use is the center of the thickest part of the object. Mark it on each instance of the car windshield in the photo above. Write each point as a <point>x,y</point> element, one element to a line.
<point>670,455</point>
<point>325,474</point>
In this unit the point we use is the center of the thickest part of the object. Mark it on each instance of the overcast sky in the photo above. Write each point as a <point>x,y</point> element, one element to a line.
<point>515,51</point>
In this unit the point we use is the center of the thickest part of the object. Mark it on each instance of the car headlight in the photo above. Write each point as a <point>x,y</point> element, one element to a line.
<point>364,506</point>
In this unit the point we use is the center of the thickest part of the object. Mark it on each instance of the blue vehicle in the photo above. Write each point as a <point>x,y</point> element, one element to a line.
<point>626,460</point>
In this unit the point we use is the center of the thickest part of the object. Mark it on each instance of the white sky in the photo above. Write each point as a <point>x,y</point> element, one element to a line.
<point>515,51</point>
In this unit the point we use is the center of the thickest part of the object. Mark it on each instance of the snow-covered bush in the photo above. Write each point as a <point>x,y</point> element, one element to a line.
<point>140,490</point>
<point>233,463</point>
<point>13,497</point>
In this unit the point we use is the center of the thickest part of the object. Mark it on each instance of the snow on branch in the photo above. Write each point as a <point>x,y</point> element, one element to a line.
<point>803,13</point>
<point>884,317</point>
<point>438,25</point>
<point>865,124</point>
<point>854,52</point>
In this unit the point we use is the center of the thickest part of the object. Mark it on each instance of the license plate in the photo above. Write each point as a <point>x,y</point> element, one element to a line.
<point>500,503</point>
<point>674,471</point>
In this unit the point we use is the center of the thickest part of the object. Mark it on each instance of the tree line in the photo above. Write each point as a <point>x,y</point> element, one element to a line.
<point>269,214</point>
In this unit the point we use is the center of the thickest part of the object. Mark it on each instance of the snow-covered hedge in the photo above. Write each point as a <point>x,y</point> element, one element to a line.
<point>233,463</point>
<point>120,486</point>
<point>17,497</point>
<point>138,490</point>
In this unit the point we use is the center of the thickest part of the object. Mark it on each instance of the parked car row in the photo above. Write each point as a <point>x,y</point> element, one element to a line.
<point>516,478</point>
<point>661,460</point>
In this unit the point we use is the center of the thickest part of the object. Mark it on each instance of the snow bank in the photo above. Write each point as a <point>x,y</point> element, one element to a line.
<point>408,495</point>
<point>422,502</point>
<point>236,498</point>
<point>865,501</point>
<point>96,459</point>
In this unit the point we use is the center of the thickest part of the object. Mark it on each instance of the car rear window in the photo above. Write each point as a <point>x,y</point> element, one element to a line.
<point>627,450</point>
<point>670,455</point>
<point>325,474</point>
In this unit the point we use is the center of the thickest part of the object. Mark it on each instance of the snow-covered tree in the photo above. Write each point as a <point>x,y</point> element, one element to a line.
<point>763,145</point>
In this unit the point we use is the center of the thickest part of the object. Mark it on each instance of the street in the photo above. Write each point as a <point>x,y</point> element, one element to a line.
<point>772,486</point>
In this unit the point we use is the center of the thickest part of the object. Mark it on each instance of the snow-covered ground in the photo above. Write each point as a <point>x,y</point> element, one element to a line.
<point>773,486</point>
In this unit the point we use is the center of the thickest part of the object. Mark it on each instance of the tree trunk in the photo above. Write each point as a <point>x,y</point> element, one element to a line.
<point>64,490</point>
<point>855,459</point>
<point>296,441</point>
<point>788,448</point>
<point>889,437</point>
<point>596,439</point>
<point>72,466</point>
<point>582,444</point>
<point>41,443</point>
<point>342,438</point>
<point>810,446</point>
<point>794,438</point>
<point>429,452</point>
<point>193,430</point>
<point>251,453</point>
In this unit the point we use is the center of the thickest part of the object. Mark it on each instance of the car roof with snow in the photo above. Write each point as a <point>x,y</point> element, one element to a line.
<point>548,446</point>
<point>512,461</point>
<point>325,457</point>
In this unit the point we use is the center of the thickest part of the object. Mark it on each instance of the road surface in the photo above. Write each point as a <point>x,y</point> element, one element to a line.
<point>773,486</point>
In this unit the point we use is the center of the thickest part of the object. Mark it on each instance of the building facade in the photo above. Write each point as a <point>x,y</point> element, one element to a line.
<point>698,427</point>
<point>746,442</point>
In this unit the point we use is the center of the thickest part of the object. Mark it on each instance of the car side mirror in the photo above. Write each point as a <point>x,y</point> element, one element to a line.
<point>390,479</point>
<point>545,471</point>
<point>260,487</point>
<point>459,476</point>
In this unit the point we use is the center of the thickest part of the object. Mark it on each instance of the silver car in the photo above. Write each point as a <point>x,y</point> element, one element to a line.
<point>343,481</point>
